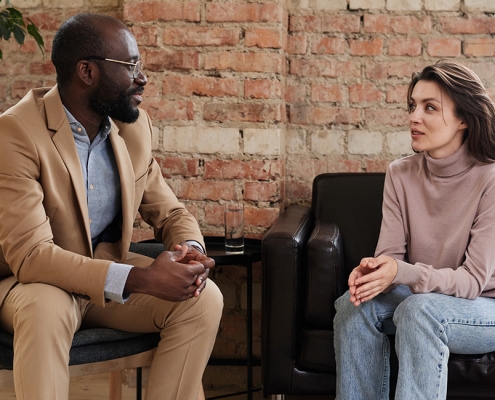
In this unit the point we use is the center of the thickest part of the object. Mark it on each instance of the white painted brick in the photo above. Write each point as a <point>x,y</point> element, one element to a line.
<point>104,3</point>
<point>63,3</point>
<point>328,142</point>
<point>295,142</point>
<point>399,143</point>
<point>480,5</point>
<point>297,4</point>
<point>442,5</point>
<point>193,139</point>
<point>364,142</point>
<point>404,5</point>
<point>268,142</point>
<point>20,4</point>
<point>367,4</point>
<point>327,5</point>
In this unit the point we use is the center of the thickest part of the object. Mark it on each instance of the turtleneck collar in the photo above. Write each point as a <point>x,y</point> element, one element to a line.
<point>452,165</point>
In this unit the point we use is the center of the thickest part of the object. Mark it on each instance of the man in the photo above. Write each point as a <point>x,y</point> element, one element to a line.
<point>75,168</point>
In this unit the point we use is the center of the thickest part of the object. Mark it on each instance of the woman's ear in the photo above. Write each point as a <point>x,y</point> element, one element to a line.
<point>86,71</point>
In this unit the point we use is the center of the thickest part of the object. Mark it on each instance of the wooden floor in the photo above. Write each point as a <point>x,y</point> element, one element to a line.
<point>95,387</point>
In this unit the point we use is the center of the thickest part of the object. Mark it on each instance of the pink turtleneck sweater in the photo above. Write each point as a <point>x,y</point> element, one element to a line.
<point>439,223</point>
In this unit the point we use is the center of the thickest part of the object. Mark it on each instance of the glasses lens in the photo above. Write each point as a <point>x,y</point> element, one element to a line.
<point>137,69</point>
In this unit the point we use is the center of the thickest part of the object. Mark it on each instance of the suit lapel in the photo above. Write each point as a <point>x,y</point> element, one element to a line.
<point>126,173</point>
<point>64,142</point>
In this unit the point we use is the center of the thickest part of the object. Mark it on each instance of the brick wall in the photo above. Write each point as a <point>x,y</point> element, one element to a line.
<point>251,99</point>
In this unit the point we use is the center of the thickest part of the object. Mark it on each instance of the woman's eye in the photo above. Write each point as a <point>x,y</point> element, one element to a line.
<point>429,107</point>
<point>412,107</point>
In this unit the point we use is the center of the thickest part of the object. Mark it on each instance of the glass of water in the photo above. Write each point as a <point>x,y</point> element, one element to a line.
<point>234,228</point>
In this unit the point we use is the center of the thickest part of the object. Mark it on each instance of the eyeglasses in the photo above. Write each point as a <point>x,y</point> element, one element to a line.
<point>137,67</point>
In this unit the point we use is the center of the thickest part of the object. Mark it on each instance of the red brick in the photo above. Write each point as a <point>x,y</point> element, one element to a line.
<point>232,12</point>
<point>297,190</point>
<point>331,92</point>
<point>479,47</point>
<point>169,109</point>
<point>474,26</point>
<point>200,86</point>
<point>205,190</point>
<point>386,117</point>
<point>8,67</point>
<point>153,88</point>
<point>273,12</point>
<point>46,21</point>
<point>161,11</point>
<point>262,88</point>
<point>29,46</point>
<point>328,68</point>
<point>263,38</point>
<point>162,60</point>
<point>304,23</point>
<point>20,88</point>
<point>308,115</point>
<point>397,24</point>
<point>306,169</point>
<point>400,69</point>
<point>242,112</point>
<point>42,68</point>
<point>262,191</point>
<point>397,94</point>
<point>297,44</point>
<point>145,36</point>
<point>295,93</point>
<point>214,214</point>
<point>236,169</point>
<point>261,217</point>
<point>201,36</point>
<point>404,47</point>
<point>444,47</point>
<point>329,45</point>
<point>172,166</point>
<point>372,47</point>
<point>341,23</point>
<point>364,93</point>
<point>371,165</point>
<point>343,165</point>
<point>244,62</point>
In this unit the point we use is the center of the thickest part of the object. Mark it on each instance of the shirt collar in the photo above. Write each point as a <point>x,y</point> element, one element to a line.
<point>458,162</point>
<point>80,133</point>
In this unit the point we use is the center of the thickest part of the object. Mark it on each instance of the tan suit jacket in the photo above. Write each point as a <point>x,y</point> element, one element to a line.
<point>44,222</point>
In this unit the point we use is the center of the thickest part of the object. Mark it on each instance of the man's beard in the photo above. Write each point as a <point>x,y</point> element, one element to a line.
<point>107,100</point>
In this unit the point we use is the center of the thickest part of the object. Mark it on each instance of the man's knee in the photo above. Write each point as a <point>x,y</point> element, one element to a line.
<point>44,306</point>
<point>213,299</point>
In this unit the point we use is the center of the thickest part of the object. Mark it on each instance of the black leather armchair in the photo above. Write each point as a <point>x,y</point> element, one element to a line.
<point>307,257</point>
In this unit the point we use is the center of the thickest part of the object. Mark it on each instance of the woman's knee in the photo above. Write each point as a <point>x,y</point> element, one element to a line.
<point>416,309</point>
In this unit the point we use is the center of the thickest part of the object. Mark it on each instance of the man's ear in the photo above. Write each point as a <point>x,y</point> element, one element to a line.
<point>86,71</point>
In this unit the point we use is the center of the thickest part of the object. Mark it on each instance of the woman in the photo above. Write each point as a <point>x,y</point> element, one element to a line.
<point>432,280</point>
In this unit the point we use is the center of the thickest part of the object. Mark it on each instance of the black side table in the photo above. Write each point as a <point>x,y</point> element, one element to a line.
<point>215,248</point>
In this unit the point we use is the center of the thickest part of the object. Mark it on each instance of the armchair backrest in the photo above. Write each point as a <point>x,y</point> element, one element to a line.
<point>353,201</point>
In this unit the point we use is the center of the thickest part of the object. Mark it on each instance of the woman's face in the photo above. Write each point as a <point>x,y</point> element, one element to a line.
<point>434,126</point>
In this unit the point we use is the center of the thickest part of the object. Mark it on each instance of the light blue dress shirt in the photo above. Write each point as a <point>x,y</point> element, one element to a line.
<point>102,183</point>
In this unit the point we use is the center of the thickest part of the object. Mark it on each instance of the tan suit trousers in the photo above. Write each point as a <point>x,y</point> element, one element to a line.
<point>45,318</point>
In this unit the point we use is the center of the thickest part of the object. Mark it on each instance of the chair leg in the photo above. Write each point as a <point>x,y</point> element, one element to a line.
<point>139,383</point>
<point>115,385</point>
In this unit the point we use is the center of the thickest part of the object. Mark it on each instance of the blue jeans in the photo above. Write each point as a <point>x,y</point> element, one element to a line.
<point>427,328</point>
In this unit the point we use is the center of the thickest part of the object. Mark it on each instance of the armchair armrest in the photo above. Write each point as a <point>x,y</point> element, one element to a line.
<point>283,258</point>
<point>327,277</point>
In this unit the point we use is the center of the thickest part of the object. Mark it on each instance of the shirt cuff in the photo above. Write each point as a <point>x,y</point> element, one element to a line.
<point>115,282</point>
<point>196,245</point>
